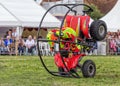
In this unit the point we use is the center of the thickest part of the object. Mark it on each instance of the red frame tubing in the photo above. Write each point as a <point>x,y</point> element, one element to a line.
<point>84,25</point>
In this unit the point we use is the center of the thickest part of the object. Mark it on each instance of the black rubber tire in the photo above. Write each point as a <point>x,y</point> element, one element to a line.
<point>88,69</point>
<point>61,71</point>
<point>96,30</point>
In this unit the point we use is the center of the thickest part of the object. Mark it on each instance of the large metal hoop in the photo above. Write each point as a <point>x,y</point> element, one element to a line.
<point>70,9</point>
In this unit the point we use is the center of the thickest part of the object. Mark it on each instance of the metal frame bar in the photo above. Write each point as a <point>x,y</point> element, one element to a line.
<point>70,74</point>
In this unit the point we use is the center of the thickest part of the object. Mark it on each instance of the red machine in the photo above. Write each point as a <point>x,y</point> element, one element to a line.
<point>68,58</point>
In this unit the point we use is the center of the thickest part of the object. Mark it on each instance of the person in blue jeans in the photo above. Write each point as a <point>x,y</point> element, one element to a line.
<point>93,49</point>
<point>21,46</point>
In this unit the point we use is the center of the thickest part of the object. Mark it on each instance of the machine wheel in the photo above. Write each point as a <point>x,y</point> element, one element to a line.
<point>88,68</point>
<point>98,30</point>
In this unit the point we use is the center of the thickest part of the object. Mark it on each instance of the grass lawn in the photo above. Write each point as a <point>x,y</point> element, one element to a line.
<point>28,71</point>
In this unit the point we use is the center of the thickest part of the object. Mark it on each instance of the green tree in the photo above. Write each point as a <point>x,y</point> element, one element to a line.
<point>96,14</point>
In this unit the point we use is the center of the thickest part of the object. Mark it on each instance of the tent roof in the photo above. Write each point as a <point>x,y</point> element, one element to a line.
<point>6,19</point>
<point>112,18</point>
<point>28,13</point>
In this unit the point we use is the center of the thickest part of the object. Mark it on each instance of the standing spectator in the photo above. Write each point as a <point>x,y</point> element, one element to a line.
<point>117,44</point>
<point>30,44</point>
<point>109,35</point>
<point>14,33</point>
<point>113,46</point>
<point>21,45</point>
<point>119,35</point>
<point>9,33</point>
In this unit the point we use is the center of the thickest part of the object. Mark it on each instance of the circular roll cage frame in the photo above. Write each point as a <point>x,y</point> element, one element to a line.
<point>70,8</point>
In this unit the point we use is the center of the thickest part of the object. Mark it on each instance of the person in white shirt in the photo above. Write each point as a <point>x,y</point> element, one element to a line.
<point>14,33</point>
<point>30,45</point>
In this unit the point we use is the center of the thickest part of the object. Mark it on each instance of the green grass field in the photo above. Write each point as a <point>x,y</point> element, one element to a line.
<point>28,71</point>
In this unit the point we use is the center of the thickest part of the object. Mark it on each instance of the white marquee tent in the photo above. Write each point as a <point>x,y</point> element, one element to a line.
<point>25,13</point>
<point>112,19</point>
<point>6,19</point>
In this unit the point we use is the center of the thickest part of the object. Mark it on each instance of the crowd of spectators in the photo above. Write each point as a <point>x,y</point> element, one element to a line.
<point>113,42</point>
<point>111,45</point>
<point>13,44</point>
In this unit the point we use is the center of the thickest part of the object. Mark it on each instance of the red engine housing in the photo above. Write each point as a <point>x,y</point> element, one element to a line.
<point>70,62</point>
<point>78,23</point>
